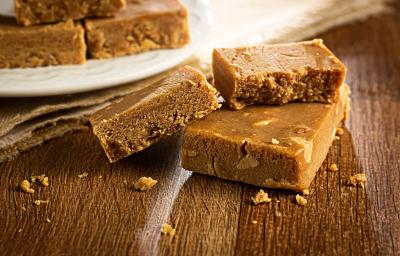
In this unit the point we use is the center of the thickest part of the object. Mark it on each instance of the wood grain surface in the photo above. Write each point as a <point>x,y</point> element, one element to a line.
<point>103,215</point>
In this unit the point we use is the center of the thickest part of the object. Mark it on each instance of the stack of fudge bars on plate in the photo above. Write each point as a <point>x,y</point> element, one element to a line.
<point>282,106</point>
<point>61,32</point>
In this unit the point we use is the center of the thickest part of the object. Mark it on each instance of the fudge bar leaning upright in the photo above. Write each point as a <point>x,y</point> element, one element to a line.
<point>30,12</point>
<point>276,74</point>
<point>43,45</point>
<point>142,118</point>
<point>267,146</point>
<point>144,25</point>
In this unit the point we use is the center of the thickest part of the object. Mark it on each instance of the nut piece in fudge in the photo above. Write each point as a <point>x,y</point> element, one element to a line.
<point>30,12</point>
<point>237,145</point>
<point>44,45</point>
<point>276,74</point>
<point>144,25</point>
<point>138,120</point>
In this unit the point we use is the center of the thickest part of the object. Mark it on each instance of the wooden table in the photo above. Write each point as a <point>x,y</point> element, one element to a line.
<point>102,214</point>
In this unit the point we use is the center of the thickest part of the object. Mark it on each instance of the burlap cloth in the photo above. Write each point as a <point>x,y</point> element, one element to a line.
<point>28,122</point>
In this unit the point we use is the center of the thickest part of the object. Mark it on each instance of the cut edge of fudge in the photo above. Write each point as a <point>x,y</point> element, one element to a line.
<point>243,82</point>
<point>141,27</point>
<point>135,122</point>
<point>42,12</point>
<point>43,45</point>
<point>292,163</point>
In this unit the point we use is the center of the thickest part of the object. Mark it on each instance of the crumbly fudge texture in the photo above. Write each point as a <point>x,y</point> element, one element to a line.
<point>276,74</point>
<point>237,145</point>
<point>139,120</point>
<point>30,12</point>
<point>43,45</point>
<point>144,25</point>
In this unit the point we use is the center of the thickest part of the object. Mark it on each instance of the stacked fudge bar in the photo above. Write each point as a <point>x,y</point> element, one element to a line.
<point>257,137</point>
<point>261,140</point>
<point>65,32</point>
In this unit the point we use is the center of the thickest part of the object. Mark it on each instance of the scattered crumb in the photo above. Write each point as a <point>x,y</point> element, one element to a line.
<point>39,202</point>
<point>333,168</point>
<point>306,192</point>
<point>23,208</point>
<point>339,131</point>
<point>168,230</point>
<point>337,138</point>
<point>261,197</point>
<point>125,182</point>
<point>26,187</point>
<point>100,177</point>
<point>278,201</point>
<point>20,230</point>
<point>144,183</point>
<point>83,175</point>
<point>275,141</point>
<point>358,180</point>
<point>301,200</point>
<point>254,222</point>
<point>48,220</point>
<point>42,179</point>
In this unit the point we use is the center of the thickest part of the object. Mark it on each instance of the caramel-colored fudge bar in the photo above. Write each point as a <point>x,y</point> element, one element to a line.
<point>43,45</point>
<point>141,119</point>
<point>30,12</point>
<point>267,146</point>
<point>144,25</point>
<point>276,74</point>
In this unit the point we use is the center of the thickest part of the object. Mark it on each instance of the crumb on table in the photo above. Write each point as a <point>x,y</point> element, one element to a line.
<point>83,175</point>
<point>301,200</point>
<point>333,168</point>
<point>48,220</point>
<point>25,185</point>
<point>261,197</point>
<point>306,192</point>
<point>168,230</point>
<point>39,202</point>
<point>254,222</point>
<point>275,141</point>
<point>358,179</point>
<point>42,179</point>
<point>144,183</point>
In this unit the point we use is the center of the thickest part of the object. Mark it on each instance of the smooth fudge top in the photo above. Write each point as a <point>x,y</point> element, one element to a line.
<point>143,8</point>
<point>147,94</point>
<point>8,25</point>
<point>287,128</point>
<point>29,12</point>
<point>281,57</point>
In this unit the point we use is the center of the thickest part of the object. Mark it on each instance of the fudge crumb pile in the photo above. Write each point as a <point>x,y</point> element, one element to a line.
<point>25,185</point>
<point>301,200</point>
<point>261,197</point>
<point>358,180</point>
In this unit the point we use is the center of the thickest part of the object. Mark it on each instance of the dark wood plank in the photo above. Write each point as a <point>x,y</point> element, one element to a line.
<point>103,216</point>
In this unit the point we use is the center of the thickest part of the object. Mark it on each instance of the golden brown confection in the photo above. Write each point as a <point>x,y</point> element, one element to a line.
<point>144,25</point>
<point>141,119</point>
<point>30,12</point>
<point>43,45</point>
<point>237,145</point>
<point>276,74</point>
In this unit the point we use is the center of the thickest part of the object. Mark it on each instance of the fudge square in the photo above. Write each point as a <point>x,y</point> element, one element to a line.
<point>267,146</point>
<point>30,12</point>
<point>139,120</point>
<point>144,25</point>
<point>43,45</point>
<point>276,74</point>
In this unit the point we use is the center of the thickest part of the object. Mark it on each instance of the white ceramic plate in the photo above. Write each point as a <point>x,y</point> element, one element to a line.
<point>98,74</point>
